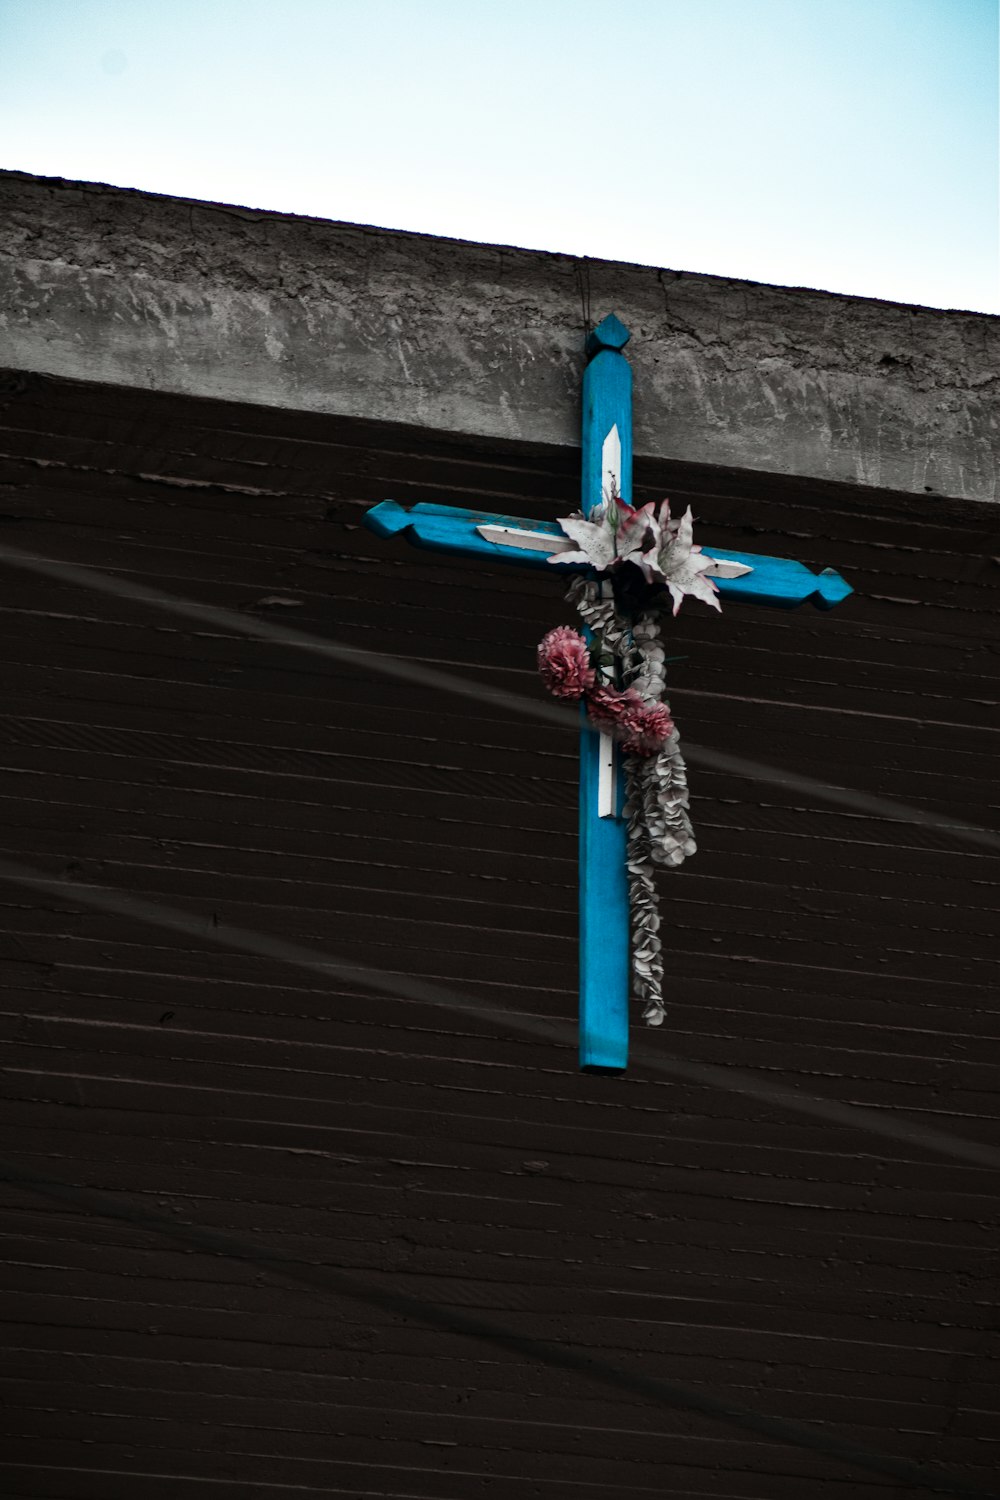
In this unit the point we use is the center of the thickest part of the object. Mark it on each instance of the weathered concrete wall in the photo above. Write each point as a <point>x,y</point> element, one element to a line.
<point>129,288</point>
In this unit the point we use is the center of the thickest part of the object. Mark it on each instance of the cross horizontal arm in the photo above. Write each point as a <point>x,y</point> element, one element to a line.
<point>773,581</point>
<point>447,528</point>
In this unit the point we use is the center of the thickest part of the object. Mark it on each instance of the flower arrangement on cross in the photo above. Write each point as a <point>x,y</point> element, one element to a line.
<point>644,561</point>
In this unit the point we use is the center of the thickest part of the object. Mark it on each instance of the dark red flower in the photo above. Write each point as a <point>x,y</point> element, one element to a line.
<point>641,728</point>
<point>648,730</point>
<point>611,707</point>
<point>564,662</point>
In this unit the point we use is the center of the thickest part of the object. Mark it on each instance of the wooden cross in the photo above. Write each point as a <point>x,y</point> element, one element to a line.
<point>607,469</point>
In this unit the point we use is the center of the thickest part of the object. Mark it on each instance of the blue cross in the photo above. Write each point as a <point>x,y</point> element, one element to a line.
<point>774,581</point>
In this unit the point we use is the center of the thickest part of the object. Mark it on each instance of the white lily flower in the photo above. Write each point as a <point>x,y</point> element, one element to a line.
<point>595,540</point>
<point>661,548</point>
<point>680,561</point>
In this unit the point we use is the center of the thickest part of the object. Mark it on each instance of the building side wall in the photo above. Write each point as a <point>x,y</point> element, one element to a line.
<point>388,1149</point>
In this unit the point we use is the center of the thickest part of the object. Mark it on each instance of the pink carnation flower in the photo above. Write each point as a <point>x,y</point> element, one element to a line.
<point>648,729</point>
<point>564,662</point>
<point>643,728</point>
<point>611,708</point>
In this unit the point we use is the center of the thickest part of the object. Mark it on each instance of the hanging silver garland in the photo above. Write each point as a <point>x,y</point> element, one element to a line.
<point>659,825</point>
<point>646,561</point>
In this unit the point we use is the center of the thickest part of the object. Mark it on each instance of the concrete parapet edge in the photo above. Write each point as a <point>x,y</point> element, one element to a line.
<point>127,288</point>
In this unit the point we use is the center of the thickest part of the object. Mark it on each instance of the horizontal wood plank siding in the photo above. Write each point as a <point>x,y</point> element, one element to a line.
<point>662,1227</point>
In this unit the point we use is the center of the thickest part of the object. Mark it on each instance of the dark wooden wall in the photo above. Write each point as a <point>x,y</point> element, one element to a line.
<point>732,1247</point>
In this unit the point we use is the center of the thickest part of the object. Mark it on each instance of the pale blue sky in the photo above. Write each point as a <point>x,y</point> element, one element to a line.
<point>850,145</point>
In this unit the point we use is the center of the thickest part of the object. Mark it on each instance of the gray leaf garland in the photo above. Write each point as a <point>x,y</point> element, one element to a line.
<point>657,806</point>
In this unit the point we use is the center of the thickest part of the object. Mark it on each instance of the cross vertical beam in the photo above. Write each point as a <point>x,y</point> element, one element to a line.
<point>604,900</point>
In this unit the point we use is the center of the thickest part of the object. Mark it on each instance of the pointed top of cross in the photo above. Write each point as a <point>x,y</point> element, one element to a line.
<point>610,333</point>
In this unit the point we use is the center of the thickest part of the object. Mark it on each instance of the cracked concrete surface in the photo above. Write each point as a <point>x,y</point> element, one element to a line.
<point>128,288</point>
